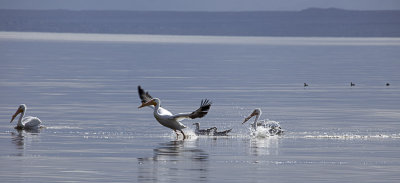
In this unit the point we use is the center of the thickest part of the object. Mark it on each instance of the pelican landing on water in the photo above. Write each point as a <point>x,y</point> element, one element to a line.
<point>166,118</point>
<point>27,122</point>
<point>273,127</point>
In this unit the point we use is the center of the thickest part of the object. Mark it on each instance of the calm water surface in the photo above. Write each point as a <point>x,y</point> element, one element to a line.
<point>85,94</point>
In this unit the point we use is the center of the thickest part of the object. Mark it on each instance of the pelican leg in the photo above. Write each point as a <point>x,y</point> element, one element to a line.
<point>184,136</point>
<point>177,135</point>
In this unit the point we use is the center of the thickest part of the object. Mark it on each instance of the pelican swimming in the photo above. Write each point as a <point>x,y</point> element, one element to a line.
<point>26,123</point>
<point>199,131</point>
<point>166,118</point>
<point>273,126</point>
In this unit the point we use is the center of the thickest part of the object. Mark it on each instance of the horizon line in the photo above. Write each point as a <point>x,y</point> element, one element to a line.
<point>210,11</point>
<point>200,39</point>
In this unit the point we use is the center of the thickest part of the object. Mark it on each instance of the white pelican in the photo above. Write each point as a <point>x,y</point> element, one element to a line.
<point>166,118</point>
<point>199,131</point>
<point>28,122</point>
<point>222,133</point>
<point>273,126</point>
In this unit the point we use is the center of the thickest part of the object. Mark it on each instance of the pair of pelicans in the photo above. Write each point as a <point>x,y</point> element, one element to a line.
<point>172,121</point>
<point>165,118</point>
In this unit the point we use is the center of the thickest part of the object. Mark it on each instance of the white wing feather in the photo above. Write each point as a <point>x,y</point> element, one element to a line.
<point>31,122</point>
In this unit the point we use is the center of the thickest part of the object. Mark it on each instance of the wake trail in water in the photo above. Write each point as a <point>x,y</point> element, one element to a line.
<point>262,132</point>
<point>62,127</point>
<point>343,135</point>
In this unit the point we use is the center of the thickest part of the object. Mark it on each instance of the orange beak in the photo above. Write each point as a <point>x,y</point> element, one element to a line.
<point>251,115</point>
<point>16,114</point>
<point>151,102</point>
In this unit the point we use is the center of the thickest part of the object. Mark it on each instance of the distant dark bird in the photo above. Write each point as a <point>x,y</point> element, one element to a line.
<point>305,84</point>
<point>222,133</point>
<point>387,84</point>
<point>199,131</point>
<point>352,84</point>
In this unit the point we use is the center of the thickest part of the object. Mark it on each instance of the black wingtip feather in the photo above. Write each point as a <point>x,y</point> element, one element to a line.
<point>205,105</point>
<point>144,96</point>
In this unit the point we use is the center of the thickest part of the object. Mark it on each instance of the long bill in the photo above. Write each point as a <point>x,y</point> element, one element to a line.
<point>16,114</point>
<point>249,117</point>
<point>151,102</point>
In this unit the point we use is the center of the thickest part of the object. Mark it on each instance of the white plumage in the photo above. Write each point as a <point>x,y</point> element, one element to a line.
<point>271,127</point>
<point>28,122</point>
<point>166,118</point>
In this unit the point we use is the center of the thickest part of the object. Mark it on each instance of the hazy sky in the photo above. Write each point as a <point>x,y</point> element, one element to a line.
<point>199,5</point>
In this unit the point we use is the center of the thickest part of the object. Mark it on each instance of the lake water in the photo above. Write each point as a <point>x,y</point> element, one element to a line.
<point>84,89</point>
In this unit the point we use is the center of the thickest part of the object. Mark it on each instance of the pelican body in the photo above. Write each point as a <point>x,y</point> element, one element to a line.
<point>166,118</point>
<point>273,126</point>
<point>27,122</point>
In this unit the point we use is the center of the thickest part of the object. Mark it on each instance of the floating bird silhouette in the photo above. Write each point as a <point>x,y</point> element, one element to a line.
<point>222,133</point>
<point>166,118</point>
<point>387,84</point>
<point>352,84</point>
<point>305,84</point>
<point>198,131</point>
<point>273,127</point>
<point>27,122</point>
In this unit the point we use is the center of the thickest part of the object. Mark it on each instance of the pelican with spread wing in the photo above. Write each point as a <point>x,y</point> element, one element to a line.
<point>166,118</point>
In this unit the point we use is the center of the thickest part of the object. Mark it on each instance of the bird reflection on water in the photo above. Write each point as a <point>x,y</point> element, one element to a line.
<point>18,139</point>
<point>171,159</point>
<point>264,146</point>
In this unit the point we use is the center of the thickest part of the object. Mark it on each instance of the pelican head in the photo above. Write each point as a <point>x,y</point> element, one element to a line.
<point>20,109</point>
<point>256,112</point>
<point>153,101</point>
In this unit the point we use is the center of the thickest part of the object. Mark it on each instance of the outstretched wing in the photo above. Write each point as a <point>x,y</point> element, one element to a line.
<point>202,110</point>
<point>144,96</point>
<point>199,113</point>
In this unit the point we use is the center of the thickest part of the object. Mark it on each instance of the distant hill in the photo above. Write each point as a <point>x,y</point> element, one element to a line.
<point>309,22</point>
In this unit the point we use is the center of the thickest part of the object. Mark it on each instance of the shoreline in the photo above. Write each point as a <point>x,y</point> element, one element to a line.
<point>200,39</point>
